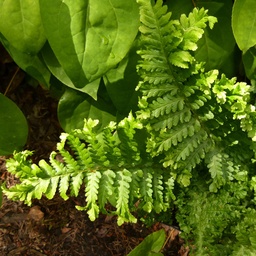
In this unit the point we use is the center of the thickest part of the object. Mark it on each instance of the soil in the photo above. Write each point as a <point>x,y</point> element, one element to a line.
<point>54,227</point>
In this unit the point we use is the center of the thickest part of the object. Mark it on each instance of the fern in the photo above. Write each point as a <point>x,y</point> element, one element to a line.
<point>192,143</point>
<point>110,174</point>
<point>243,228</point>
<point>220,223</point>
<point>190,111</point>
<point>170,102</point>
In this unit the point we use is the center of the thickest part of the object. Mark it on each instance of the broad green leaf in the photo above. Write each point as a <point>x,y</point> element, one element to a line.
<point>13,127</point>
<point>65,27</point>
<point>121,83</point>
<point>75,106</point>
<point>249,60</point>
<point>179,7</point>
<point>217,46</point>
<point>113,26</point>
<point>244,23</point>
<point>151,245</point>
<point>20,23</point>
<point>58,71</point>
<point>89,37</point>
<point>31,64</point>
<point>54,65</point>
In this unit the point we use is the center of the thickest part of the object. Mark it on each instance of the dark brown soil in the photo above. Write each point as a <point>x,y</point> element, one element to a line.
<point>55,227</point>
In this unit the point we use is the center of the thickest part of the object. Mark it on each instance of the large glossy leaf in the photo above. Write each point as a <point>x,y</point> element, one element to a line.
<point>75,106</point>
<point>151,245</point>
<point>89,37</point>
<point>13,127</point>
<point>113,26</point>
<point>58,71</point>
<point>121,83</point>
<point>65,27</point>
<point>217,46</point>
<point>20,23</point>
<point>249,60</point>
<point>244,23</point>
<point>179,7</point>
<point>32,64</point>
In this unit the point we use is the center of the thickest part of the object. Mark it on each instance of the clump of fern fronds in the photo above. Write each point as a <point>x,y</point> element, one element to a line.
<point>192,126</point>
<point>109,164</point>
<point>193,117</point>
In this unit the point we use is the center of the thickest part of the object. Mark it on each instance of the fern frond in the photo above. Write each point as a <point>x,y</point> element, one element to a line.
<point>120,175</point>
<point>190,119</point>
<point>243,250</point>
<point>206,216</point>
<point>246,234</point>
<point>171,52</point>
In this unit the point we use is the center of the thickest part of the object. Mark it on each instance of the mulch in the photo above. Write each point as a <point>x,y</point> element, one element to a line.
<point>54,227</point>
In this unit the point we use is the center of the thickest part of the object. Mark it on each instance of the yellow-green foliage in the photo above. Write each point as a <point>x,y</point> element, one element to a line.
<point>110,164</point>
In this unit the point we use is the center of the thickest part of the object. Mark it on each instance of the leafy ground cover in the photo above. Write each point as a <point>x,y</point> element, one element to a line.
<point>55,227</point>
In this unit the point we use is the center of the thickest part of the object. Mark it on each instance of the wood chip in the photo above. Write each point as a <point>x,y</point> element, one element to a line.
<point>35,213</point>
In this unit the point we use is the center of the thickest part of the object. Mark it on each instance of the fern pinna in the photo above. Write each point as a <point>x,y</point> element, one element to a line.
<point>187,117</point>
